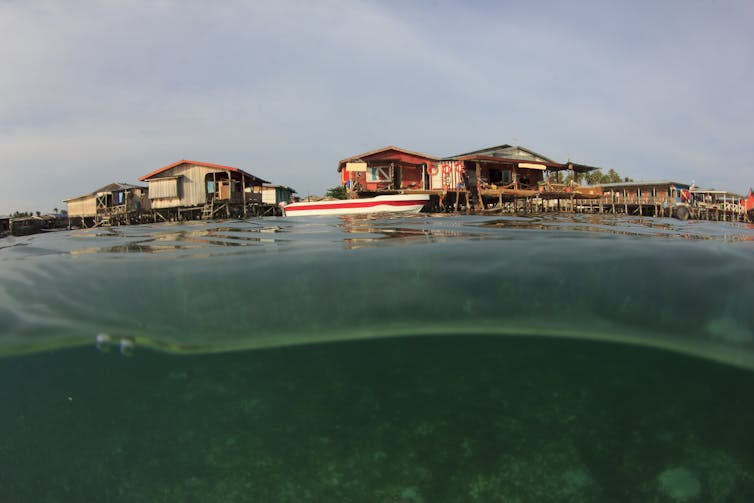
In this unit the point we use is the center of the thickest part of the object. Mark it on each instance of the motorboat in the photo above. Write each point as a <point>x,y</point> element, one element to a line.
<point>395,203</point>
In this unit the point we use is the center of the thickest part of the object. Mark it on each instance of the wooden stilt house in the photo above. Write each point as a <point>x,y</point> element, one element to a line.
<point>193,189</point>
<point>276,194</point>
<point>114,204</point>
<point>388,169</point>
<point>503,175</point>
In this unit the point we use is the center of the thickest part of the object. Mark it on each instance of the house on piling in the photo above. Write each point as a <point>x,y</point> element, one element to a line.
<point>655,198</point>
<point>713,204</point>
<point>276,194</point>
<point>493,175</point>
<point>389,169</point>
<point>489,178</point>
<point>114,204</point>
<point>504,176</point>
<point>4,225</point>
<point>193,189</point>
<point>669,198</point>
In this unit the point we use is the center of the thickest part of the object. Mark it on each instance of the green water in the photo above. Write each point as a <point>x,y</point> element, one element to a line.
<point>410,419</point>
<point>393,359</point>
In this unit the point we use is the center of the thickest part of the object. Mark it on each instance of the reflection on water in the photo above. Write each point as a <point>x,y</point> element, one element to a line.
<point>358,231</point>
<point>159,239</point>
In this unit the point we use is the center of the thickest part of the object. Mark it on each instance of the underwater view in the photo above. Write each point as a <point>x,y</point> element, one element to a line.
<point>420,358</point>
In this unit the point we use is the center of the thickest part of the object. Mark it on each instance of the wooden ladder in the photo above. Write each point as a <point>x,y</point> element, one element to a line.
<point>208,210</point>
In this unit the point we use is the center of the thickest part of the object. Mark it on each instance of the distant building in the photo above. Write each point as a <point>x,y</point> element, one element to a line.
<point>276,194</point>
<point>116,203</point>
<point>4,225</point>
<point>659,191</point>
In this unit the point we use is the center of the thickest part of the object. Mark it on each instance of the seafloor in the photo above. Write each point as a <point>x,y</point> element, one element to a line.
<point>424,419</point>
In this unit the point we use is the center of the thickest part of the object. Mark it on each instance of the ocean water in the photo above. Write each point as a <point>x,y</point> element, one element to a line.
<point>411,359</point>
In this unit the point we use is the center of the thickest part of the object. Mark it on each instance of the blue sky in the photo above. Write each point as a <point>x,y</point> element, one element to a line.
<point>96,92</point>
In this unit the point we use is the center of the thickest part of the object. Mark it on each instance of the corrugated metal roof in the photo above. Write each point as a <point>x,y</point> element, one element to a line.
<point>580,168</point>
<point>112,187</point>
<point>716,191</point>
<point>200,163</point>
<point>115,186</point>
<point>500,151</point>
<point>286,187</point>
<point>643,184</point>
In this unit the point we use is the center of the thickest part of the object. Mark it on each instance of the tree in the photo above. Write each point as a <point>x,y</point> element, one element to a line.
<point>338,192</point>
<point>594,177</point>
<point>597,177</point>
<point>612,177</point>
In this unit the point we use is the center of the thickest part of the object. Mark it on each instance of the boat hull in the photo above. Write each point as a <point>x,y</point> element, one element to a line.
<point>401,203</point>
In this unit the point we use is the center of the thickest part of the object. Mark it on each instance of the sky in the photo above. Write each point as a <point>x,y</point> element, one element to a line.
<point>97,92</point>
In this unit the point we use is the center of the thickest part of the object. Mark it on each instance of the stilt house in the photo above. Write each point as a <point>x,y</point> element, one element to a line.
<point>648,192</point>
<point>193,189</point>
<point>276,194</point>
<point>116,203</point>
<point>387,169</point>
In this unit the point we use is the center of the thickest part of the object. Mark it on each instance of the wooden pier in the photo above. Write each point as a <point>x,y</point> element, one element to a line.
<point>717,206</point>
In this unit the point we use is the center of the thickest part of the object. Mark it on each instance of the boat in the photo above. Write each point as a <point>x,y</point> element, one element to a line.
<point>749,205</point>
<point>396,203</point>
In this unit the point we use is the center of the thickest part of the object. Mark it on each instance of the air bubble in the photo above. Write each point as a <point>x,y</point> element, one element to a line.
<point>127,346</point>
<point>103,342</point>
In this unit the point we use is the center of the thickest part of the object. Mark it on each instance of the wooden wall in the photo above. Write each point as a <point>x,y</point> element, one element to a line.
<point>85,206</point>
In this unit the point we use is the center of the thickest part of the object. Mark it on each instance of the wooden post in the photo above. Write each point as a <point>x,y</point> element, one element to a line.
<point>243,194</point>
<point>641,208</point>
<point>480,203</point>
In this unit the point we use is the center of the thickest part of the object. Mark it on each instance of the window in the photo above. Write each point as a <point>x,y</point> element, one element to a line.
<point>163,188</point>
<point>379,174</point>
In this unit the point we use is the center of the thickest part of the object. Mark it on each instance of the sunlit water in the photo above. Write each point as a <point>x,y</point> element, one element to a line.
<point>456,359</point>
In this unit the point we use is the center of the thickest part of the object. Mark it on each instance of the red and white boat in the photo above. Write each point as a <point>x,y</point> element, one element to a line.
<point>403,203</point>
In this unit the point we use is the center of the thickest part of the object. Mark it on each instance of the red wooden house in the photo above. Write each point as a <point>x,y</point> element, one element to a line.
<point>387,169</point>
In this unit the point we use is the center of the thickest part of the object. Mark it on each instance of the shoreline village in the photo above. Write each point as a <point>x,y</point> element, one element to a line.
<point>504,179</point>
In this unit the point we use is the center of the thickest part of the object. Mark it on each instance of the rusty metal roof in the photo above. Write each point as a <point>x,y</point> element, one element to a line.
<point>112,187</point>
<point>504,151</point>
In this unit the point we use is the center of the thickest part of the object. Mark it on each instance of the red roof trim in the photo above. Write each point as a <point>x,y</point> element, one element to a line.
<point>200,163</point>
<point>385,149</point>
